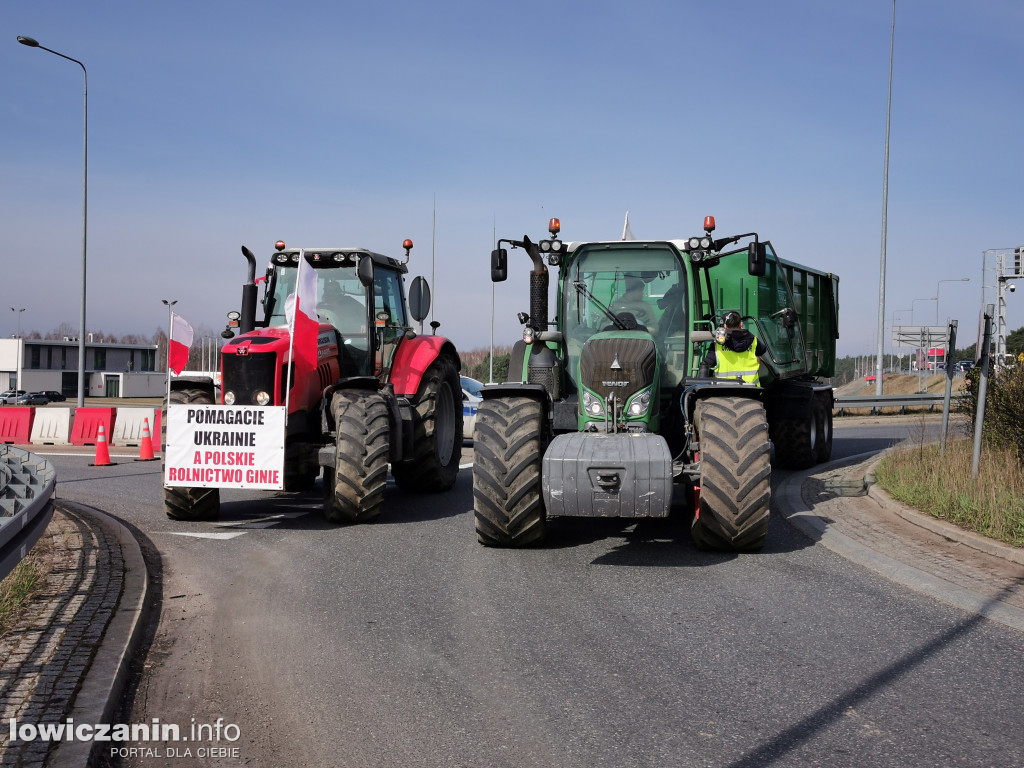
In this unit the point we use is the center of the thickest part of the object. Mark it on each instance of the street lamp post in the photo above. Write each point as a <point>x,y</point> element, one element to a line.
<point>953,280</point>
<point>21,347</point>
<point>885,208</point>
<point>85,207</point>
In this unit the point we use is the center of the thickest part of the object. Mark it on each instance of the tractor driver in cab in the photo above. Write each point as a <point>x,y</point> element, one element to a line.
<point>342,311</point>
<point>632,301</point>
<point>735,352</point>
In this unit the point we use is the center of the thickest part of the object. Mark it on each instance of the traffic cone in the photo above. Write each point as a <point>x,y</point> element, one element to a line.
<point>146,448</point>
<point>102,453</point>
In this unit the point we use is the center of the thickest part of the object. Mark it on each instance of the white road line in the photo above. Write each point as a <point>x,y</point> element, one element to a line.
<point>221,536</point>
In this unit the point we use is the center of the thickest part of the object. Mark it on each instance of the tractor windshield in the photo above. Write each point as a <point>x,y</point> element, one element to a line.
<point>340,298</point>
<point>611,286</point>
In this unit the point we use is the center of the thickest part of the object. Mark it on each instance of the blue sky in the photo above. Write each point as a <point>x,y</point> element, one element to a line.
<point>219,123</point>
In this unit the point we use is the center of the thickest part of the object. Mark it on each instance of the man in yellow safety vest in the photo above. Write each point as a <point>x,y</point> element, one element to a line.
<point>736,351</point>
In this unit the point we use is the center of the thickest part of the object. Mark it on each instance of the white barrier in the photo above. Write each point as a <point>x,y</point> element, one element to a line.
<point>52,426</point>
<point>128,426</point>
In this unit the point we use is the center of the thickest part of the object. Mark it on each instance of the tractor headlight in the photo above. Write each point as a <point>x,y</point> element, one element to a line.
<point>261,398</point>
<point>229,398</point>
<point>640,403</point>
<point>592,405</point>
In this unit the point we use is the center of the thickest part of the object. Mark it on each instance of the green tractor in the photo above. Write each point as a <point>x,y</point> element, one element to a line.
<point>610,407</point>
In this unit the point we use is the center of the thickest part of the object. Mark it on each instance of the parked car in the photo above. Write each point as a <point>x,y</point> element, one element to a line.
<point>470,403</point>
<point>8,397</point>
<point>54,397</point>
<point>32,398</point>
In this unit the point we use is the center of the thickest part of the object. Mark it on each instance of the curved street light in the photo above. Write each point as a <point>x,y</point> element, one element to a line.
<point>953,280</point>
<point>31,43</point>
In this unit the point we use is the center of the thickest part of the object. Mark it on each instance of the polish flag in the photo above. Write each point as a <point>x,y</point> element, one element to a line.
<point>303,324</point>
<point>179,344</point>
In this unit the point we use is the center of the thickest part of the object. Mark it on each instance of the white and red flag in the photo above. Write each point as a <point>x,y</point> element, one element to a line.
<point>178,344</point>
<point>300,311</point>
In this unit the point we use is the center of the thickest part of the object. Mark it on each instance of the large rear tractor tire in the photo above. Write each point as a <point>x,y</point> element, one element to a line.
<point>508,448</point>
<point>360,474</point>
<point>189,503</point>
<point>735,475</point>
<point>437,435</point>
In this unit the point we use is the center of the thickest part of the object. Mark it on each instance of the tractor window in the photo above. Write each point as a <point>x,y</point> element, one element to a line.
<point>389,314</point>
<point>340,300</point>
<point>646,282</point>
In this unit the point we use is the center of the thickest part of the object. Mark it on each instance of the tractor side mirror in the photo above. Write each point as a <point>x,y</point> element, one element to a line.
<point>419,299</point>
<point>365,271</point>
<point>499,265</point>
<point>757,259</point>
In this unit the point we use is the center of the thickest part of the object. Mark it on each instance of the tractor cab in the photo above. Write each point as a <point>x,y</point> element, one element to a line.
<point>360,296</point>
<point>634,288</point>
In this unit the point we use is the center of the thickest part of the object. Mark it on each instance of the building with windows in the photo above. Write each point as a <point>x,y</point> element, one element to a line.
<point>111,369</point>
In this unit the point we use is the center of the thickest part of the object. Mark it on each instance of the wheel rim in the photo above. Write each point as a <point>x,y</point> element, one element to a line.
<point>444,423</point>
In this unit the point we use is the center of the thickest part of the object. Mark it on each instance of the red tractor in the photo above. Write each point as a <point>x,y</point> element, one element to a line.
<point>381,393</point>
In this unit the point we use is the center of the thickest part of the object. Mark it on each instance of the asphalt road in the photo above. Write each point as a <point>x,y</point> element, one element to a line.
<point>405,643</point>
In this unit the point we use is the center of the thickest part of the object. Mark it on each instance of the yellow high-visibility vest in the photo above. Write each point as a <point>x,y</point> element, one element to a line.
<point>737,364</point>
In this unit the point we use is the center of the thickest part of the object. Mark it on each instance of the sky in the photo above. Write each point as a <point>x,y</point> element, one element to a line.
<point>218,123</point>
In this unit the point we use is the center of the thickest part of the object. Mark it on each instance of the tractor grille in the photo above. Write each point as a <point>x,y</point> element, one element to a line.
<point>246,374</point>
<point>636,361</point>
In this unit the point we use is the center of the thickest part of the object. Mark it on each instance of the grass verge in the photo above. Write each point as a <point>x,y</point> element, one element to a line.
<point>941,485</point>
<point>22,584</point>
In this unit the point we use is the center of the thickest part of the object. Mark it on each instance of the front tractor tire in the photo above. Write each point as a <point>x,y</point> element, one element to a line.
<point>735,475</point>
<point>508,447</point>
<point>190,503</point>
<point>360,472</point>
<point>437,432</point>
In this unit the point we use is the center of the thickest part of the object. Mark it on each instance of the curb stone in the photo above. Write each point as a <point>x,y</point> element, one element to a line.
<point>819,522</point>
<point>70,657</point>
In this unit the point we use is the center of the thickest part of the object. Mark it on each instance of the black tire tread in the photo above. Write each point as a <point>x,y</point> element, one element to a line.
<point>425,472</point>
<point>361,460</point>
<point>508,449</point>
<point>735,474</point>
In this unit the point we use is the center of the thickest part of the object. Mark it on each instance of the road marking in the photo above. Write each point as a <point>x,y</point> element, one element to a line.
<point>220,536</point>
<point>262,522</point>
<point>240,527</point>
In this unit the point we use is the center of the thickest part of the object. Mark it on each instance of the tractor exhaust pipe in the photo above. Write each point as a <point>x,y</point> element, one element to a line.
<point>539,279</point>
<point>247,321</point>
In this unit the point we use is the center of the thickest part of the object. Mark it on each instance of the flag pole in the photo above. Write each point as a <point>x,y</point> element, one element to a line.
<point>170,329</point>
<point>291,338</point>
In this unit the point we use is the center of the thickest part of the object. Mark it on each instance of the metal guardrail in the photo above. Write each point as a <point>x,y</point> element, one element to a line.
<point>875,402</point>
<point>27,483</point>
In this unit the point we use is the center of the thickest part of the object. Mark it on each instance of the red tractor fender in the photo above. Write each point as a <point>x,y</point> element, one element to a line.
<point>412,359</point>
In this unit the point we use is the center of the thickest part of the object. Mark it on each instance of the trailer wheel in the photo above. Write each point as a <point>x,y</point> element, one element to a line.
<point>823,417</point>
<point>735,475</point>
<point>360,473</point>
<point>189,503</point>
<point>508,448</point>
<point>437,432</point>
<point>796,441</point>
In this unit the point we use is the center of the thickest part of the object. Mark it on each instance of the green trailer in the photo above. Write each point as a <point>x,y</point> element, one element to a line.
<point>610,410</point>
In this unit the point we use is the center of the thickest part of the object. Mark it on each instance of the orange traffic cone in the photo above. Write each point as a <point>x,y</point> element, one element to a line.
<point>102,453</point>
<point>146,448</point>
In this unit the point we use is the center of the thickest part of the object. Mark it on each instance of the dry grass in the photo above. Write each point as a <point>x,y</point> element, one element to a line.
<point>993,505</point>
<point>22,584</point>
